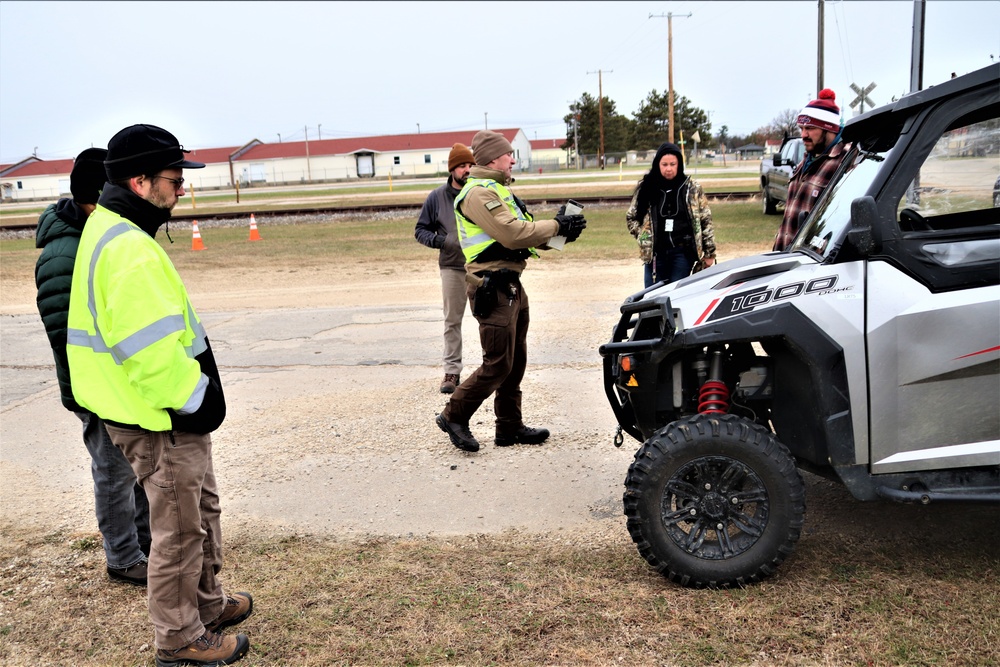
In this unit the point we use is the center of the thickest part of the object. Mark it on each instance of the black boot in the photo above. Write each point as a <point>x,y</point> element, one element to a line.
<point>524,436</point>
<point>460,435</point>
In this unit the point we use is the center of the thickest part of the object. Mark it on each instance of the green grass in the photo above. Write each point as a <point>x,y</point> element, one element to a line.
<point>258,199</point>
<point>606,237</point>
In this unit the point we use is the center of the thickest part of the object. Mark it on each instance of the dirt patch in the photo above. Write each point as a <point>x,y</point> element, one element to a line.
<point>331,375</point>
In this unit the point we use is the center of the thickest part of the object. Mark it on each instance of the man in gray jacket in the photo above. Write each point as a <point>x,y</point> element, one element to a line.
<point>436,229</point>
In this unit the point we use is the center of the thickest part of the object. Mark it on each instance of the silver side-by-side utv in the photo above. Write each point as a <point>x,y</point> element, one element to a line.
<point>868,352</point>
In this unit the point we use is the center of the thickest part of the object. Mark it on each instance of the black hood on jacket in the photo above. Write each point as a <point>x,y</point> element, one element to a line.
<point>667,148</point>
<point>133,208</point>
<point>64,218</point>
<point>71,213</point>
<point>653,183</point>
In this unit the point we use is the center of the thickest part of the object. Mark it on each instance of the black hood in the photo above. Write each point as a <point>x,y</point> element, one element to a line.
<point>64,218</point>
<point>667,148</point>
<point>653,184</point>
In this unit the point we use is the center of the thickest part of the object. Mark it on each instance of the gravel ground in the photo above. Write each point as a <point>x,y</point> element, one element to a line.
<point>331,408</point>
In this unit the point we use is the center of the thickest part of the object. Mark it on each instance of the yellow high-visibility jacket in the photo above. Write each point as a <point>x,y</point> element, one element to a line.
<point>132,334</point>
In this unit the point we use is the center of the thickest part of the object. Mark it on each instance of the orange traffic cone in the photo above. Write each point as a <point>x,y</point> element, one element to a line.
<point>196,242</point>
<point>254,234</point>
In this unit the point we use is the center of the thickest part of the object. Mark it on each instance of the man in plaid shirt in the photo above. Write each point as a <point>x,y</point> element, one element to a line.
<point>820,125</point>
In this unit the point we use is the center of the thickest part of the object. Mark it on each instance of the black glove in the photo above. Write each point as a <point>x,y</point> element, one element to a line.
<point>571,226</point>
<point>438,241</point>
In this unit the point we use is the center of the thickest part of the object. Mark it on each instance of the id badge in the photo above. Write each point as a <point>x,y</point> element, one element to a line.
<point>668,225</point>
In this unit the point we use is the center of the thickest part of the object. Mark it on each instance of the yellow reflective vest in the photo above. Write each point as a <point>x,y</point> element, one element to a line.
<point>132,335</point>
<point>470,235</point>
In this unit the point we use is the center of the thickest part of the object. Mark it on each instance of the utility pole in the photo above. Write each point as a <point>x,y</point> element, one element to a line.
<point>319,131</point>
<point>819,54</point>
<point>917,50</point>
<point>308,169</point>
<point>670,68</point>
<point>600,113</point>
<point>486,119</point>
<point>418,128</point>
<point>575,108</point>
<point>576,138</point>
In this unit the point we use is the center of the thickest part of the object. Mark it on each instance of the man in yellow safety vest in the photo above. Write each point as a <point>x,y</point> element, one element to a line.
<point>140,360</point>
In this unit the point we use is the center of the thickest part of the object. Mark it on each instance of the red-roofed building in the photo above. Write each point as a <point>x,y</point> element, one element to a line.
<point>400,155</point>
<point>257,163</point>
<point>548,154</point>
<point>32,178</point>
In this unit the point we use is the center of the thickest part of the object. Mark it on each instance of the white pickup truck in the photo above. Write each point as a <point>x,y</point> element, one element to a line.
<point>775,173</point>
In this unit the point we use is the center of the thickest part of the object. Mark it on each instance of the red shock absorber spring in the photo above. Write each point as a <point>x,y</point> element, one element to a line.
<point>713,399</point>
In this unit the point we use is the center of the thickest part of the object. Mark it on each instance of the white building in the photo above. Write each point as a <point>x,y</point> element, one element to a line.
<point>257,163</point>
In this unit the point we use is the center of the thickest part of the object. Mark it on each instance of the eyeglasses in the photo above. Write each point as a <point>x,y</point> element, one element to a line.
<point>178,182</point>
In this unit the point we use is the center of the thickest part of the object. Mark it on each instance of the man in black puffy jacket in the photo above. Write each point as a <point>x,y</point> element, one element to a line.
<point>120,502</point>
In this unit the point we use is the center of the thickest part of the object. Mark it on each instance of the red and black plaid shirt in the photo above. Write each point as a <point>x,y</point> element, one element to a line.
<point>805,186</point>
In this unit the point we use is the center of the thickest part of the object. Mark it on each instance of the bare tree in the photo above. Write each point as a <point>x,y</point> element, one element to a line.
<point>784,124</point>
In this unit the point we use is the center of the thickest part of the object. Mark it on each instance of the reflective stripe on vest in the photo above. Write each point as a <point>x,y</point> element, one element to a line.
<point>141,339</point>
<point>470,235</point>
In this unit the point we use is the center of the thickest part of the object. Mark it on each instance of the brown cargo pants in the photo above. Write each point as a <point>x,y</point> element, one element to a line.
<point>504,337</point>
<point>175,469</point>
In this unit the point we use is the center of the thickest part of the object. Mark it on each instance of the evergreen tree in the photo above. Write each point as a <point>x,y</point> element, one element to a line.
<point>586,110</point>
<point>651,124</point>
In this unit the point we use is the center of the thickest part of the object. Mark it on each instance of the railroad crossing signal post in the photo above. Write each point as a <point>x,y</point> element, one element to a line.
<point>862,97</point>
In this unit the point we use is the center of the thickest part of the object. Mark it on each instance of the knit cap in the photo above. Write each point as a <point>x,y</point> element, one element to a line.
<point>87,178</point>
<point>488,145</point>
<point>459,155</point>
<point>822,113</point>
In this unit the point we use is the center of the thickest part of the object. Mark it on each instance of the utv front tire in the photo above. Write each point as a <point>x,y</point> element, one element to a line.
<point>714,501</point>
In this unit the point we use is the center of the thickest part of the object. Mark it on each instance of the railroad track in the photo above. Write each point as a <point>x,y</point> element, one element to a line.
<point>327,209</point>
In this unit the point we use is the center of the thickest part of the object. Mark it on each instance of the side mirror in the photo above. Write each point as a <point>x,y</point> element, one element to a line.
<point>776,160</point>
<point>864,219</point>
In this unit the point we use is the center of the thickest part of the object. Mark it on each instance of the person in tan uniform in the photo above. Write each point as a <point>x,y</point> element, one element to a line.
<point>498,235</point>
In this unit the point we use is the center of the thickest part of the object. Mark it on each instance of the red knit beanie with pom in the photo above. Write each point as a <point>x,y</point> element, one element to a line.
<point>822,113</point>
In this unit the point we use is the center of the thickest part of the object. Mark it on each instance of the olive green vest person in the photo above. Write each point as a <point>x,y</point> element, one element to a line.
<point>471,236</point>
<point>116,252</point>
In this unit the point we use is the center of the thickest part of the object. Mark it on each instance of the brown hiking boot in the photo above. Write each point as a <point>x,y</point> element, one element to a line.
<point>135,575</point>
<point>450,383</point>
<point>238,608</point>
<point>209,649</point>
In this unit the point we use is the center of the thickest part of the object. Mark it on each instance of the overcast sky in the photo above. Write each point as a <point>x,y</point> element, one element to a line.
<point>223,73</point>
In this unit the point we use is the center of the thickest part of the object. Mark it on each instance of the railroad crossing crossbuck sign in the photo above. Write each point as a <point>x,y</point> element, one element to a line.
<point>862,97</point>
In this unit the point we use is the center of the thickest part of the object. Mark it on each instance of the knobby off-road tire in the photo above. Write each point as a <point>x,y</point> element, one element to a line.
<point>714,501</point>
<point>770,206</point>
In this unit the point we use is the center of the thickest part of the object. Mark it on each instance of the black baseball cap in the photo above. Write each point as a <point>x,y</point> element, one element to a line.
<point>144,149</point>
